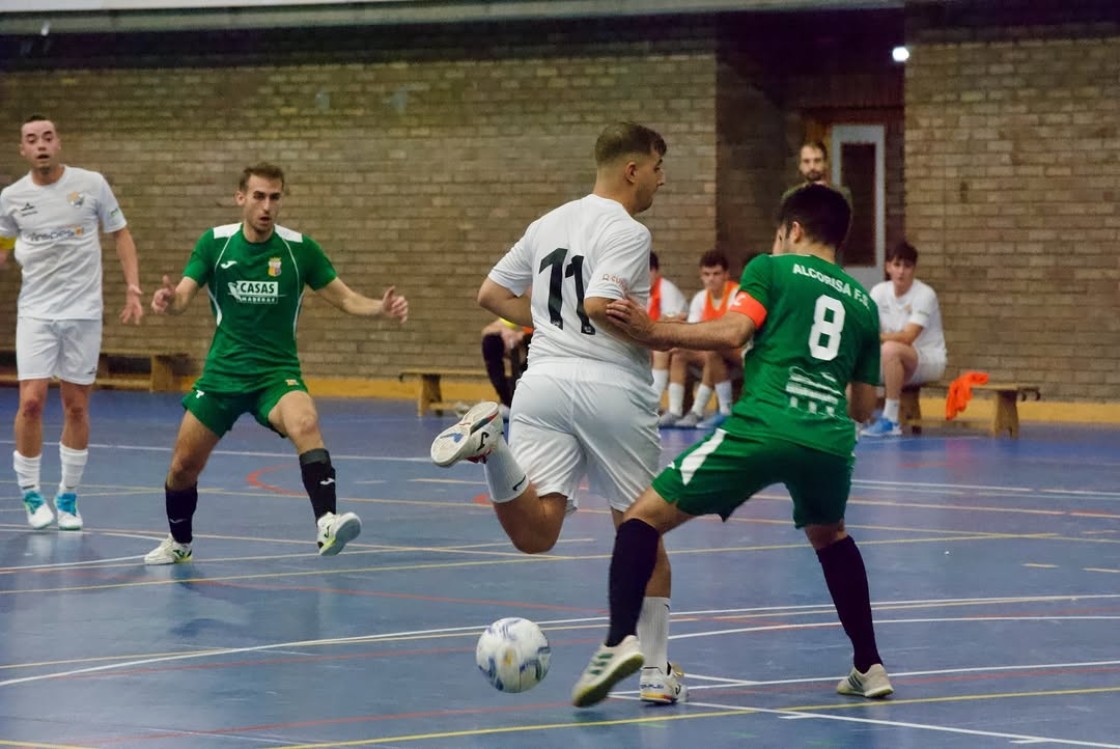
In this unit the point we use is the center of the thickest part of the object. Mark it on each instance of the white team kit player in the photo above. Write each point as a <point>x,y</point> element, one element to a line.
<point>585,406</point>
<point>55,212</point>
<point>911,335</point>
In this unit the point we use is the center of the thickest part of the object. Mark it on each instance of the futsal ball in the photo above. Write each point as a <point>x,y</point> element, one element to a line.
<point>513,654</point>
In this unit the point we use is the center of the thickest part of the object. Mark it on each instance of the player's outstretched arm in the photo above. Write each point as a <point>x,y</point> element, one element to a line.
<point>391,304</point>
<point>730,331</point>
<point>171,299</point>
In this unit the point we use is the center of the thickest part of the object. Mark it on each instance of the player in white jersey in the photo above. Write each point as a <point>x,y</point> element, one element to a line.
<point>584,407</point>
<point>913,340</point>
<point>55,213</point>
<point>666,302</point>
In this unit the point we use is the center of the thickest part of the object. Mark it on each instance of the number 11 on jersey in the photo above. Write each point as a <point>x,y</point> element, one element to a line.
<point>555,261</point>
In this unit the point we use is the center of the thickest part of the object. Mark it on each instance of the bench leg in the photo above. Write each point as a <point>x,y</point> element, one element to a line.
<point>429,394</point>
<point>910,411</point>
<point>1007,414</point>
<point>163,375</point>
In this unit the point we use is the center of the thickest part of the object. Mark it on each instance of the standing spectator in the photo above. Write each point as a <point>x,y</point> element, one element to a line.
<point>56,213</point>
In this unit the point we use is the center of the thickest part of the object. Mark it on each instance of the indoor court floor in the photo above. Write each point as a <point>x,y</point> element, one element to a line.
<point>995,580</point>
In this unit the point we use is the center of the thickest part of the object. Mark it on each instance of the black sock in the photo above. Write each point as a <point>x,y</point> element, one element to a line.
<point>847,582</point>
<point>635,554</point>
<point>318,480</point>
<point>494,355</point>
<point>181,504</point>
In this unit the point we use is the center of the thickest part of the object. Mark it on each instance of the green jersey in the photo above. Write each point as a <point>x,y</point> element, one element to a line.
<point>820,332</point>
<point>255,293</point>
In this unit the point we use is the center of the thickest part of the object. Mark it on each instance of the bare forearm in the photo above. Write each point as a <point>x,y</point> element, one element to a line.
<point>706,336</point>
<point>362,306</point>
<point>130,264</point>
<point>515,309</point>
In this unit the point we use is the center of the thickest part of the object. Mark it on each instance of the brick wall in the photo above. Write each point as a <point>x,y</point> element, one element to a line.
<point>1012,169</point>
<point>418,164</point>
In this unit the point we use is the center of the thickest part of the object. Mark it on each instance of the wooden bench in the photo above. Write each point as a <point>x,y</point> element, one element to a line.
<point>430,397</point>
<point>122,370</point>
<point>1004,419</point>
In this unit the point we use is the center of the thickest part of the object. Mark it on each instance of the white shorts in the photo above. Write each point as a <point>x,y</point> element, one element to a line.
<point>565,428</point>
<point>929,369</point>
<point>66,349</point>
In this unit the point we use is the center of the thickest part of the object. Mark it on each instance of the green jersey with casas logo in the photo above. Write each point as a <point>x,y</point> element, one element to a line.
<point>255,293</point>
<point>821,332</point>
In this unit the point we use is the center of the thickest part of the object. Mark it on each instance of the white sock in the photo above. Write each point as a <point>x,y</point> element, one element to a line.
<point>506,479</point>
<point>723,395</point>
<point>660,380</point>
<point>653,631</point>
<point>703,395</point>
<point>27,471</point>
<point>676,398</point>
<point>890,409</point>
<point>73,464</point>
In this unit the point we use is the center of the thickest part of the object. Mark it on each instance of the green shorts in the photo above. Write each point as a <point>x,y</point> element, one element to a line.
<point>723,471</point>
<point>219,411</point>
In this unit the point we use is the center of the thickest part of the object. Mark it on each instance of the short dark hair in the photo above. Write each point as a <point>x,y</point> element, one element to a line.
<point>654,263</point>
<point>36,118</point>
<point>625,138</point>
<point>903,251</point>
<point>817,144</point>
<point>260,169</point>
<point>712,258</point>
<point>822,212</point>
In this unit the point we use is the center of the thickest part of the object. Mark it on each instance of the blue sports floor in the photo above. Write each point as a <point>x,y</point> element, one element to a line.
<point>995,577</point>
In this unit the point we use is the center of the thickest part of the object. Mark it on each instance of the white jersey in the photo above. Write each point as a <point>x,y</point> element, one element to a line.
<point>919,306</point>
<point>57,243</point>
<point>673,303</point>
<point>589,247</point>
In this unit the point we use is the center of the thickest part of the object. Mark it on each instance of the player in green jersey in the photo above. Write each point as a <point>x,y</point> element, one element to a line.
<point>813,331</point>
<point>255,273</point>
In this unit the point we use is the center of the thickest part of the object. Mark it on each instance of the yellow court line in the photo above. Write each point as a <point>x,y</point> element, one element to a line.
<point>518,729</point>
<point>33,745</point>
<point>728,712</point>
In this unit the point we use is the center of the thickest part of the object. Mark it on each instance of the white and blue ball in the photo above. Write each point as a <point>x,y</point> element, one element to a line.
<point>513,654</point>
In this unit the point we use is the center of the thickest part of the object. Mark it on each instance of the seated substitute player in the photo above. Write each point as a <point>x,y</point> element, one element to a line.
<point>665,302</point>
<point>256,272</point>
<point>913,340</point>
<point>584,406</point>
<point>709,303</point>
<point>815,330</point>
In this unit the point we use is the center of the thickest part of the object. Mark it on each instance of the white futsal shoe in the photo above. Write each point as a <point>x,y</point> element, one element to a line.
<point>473,438</point>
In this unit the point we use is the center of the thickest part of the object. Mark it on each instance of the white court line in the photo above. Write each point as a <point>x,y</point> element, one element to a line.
<point>878,621</point>
<point>249,453</point>
<point>471,629</point>
<point>870,483</point>
<point>724,682</point>
<point>799,714</point>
